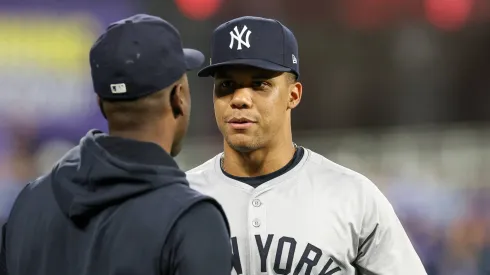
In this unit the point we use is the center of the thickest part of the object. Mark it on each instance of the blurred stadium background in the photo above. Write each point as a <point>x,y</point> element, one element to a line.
<point>396,89</point>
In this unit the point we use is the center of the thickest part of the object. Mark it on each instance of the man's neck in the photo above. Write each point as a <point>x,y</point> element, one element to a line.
<point>144,137</point>
<point>259,162</point>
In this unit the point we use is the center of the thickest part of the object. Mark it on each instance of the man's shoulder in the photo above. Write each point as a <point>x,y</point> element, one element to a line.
<point>199,174</point>
<point>38,187</point>
<point>204,167</point>
<point>327,177</point>
<point>326,169</point>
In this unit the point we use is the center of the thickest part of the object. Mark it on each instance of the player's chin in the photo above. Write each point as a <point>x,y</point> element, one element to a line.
<point>241,142</point>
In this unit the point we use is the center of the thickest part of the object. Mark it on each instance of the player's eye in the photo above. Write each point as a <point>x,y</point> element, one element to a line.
<point>260,84</point>
<point>226,84</point>
<point>224,88</point>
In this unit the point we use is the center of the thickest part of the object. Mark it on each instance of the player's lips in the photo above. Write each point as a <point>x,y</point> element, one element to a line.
<point>240,123</point>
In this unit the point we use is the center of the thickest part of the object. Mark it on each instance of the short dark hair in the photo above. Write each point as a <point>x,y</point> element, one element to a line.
<point>135,114</point>
<point>291,78</point>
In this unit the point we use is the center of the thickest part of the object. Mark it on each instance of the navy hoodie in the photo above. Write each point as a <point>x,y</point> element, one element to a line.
<point>115,206</point>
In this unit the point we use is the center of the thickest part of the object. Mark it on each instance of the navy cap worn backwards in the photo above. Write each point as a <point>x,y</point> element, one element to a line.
<point>139,56</point>
<point>253,41</point>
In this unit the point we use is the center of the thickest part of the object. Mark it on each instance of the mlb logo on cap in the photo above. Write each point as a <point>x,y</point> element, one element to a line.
<point>118,88</point>
<point>253,41</point>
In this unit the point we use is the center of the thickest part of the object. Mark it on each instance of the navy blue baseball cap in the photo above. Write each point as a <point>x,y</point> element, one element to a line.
<point>138,56</point>
<point>253,41</point>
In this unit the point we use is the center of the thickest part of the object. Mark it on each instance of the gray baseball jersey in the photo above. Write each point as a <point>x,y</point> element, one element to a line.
<point>318,218</point>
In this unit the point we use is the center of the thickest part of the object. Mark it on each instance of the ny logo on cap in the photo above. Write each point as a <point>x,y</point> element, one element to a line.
<point>238,36</point>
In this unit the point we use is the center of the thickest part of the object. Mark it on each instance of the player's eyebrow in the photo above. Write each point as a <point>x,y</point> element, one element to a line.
<point>265,74</point>
<point>262,77</point>
<point>222,74</point>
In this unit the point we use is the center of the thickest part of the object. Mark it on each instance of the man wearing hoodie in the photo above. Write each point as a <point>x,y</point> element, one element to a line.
<point>118,203</point>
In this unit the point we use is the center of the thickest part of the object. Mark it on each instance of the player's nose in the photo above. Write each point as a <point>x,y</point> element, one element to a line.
<point>242,98</point>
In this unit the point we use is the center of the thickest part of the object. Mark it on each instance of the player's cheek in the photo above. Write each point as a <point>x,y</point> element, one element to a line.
<point>218,112</point>
<point>220,121</point>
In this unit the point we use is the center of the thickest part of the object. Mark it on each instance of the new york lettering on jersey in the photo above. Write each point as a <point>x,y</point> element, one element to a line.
<point>281,259</point>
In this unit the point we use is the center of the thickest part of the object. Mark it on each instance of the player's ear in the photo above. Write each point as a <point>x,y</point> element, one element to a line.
<point>180,98</point>
<point>177,100</point>
<point>295,93</point>
<point>101,106</point>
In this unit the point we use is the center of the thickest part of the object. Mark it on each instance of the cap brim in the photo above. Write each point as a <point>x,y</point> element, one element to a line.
<point>257,63</point>
<point>193,59</point>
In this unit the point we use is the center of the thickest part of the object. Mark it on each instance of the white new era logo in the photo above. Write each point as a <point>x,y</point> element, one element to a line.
<point>238,36</point>
<point>295,61</point>
<point>118,88</point>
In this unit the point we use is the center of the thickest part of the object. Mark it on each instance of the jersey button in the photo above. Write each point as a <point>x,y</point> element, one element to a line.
<point>256,223</point>
<point>256,203</point>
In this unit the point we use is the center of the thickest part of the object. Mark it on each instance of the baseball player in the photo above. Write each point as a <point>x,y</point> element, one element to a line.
<point>291,211</point>
<point>118,203</point>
